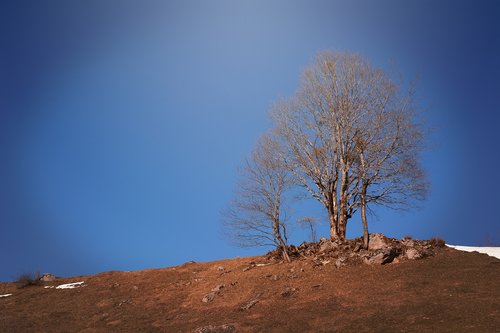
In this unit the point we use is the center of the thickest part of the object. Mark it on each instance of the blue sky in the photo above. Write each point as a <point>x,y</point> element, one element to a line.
<point>122,123</point>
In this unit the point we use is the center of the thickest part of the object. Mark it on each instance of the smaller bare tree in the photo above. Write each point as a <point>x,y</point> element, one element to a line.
<point>256,215</point>
<point>388,144</point>
<point>310,224</point>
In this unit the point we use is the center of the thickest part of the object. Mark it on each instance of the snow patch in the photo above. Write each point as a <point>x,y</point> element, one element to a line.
<point>70,285</point>
<point>491,251</point>
<point>6,295</point>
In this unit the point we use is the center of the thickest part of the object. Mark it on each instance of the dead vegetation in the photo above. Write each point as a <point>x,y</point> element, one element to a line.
<point>29,279</point>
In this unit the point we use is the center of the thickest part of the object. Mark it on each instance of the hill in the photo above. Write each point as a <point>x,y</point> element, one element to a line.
<point>452,291</point>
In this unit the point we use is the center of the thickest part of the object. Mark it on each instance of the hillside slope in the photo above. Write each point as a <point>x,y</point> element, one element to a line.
<point>452,291</point>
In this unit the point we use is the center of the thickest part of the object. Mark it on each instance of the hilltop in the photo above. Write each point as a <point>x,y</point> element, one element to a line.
<point>448,291</point>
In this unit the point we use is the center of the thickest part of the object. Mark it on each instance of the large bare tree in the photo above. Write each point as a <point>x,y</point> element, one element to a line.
<point>324,133</point>
<point>256,215</point>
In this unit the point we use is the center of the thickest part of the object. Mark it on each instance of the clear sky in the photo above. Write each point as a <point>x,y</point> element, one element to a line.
<point>122,123</point>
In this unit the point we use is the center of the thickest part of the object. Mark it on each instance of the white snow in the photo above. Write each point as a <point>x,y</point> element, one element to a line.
<point>70,285</point>
<point>261,265</point>
<point>6,295</point>
<point>491,251</point>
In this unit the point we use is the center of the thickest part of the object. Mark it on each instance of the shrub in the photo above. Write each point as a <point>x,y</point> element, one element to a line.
<point>437,242</point>
<point>29,279</point>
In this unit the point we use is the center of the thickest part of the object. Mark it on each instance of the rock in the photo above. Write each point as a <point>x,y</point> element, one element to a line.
<point>413,254</point>
<point>377,242</point>
<point>377,259</point>
<point>47,277</point>
<point>288,292</point>
<point>326,246</point>
<point>208,298</point>
<point>340,262</point>
<point>357,247</point>
<point>249,304</point>
<point>226,328</point>
<point>218,288</point>
<point>382,258</point>
<point>408,242</point>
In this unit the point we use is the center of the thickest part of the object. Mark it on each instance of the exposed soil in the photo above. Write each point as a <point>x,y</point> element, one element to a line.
<point>451,291</point>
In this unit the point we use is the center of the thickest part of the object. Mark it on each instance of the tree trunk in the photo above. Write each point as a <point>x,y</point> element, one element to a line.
<point>343,206</point>
<point>366,235</point>
<point>334,230</point>
<point>332,210</point>
<point>284,251</point>
<point>279,239</point>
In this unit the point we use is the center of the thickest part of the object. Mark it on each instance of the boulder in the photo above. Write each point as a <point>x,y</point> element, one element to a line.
<point>377,242</point>
<point>47,277</point>
<point>377,259</point>
<point>413,254</point>
<point>326,246</point>
<point>408,242</point>
<point>382,258</point>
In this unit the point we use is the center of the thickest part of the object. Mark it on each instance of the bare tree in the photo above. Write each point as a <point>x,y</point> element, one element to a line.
<point>256,216</point>
<point>321,132</point>
<point>309,223</point>
<point>388,144</point>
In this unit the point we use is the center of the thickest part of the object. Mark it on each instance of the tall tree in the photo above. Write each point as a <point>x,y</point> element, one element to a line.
<point>323,142</point>
<point>256,215</point>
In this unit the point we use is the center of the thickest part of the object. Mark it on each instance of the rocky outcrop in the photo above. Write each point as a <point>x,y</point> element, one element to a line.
<point>382,250</point>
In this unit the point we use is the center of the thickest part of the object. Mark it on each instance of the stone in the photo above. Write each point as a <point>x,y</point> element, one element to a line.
<point>377,242</point>
<point>226,328</point>
<point>249,304</point>
<point>47,277</point>
<point>288,292</point>
<point>326,246</point>
<point>208,298</point>
<point>340,262</point>
<point>413,254</point>
<point>408,242</point>
<point>218,288</point>
<point>357,247</point>
<point>382,258</point>
<point>377,259</point>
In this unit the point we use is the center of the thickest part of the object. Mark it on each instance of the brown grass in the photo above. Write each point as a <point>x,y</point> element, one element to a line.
<point>452,291</point>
